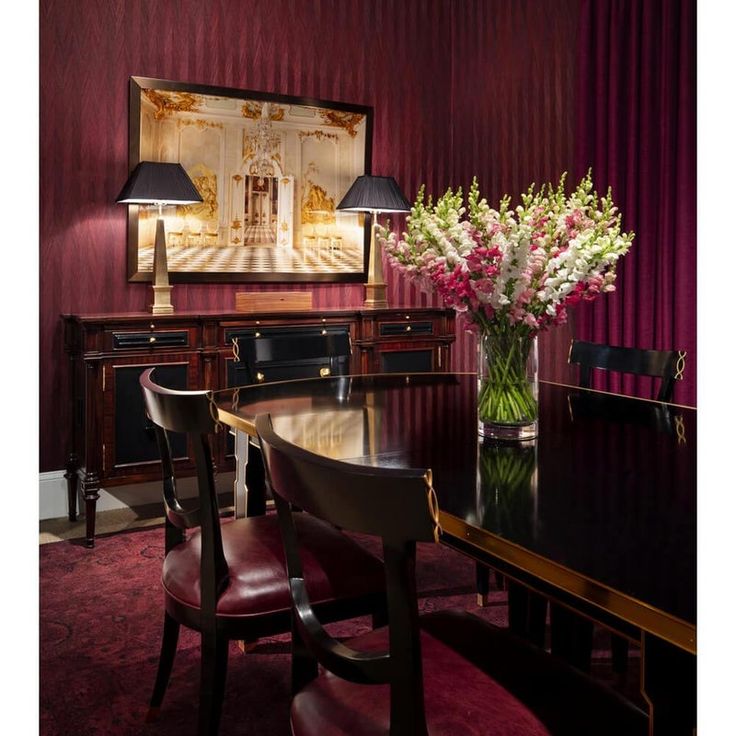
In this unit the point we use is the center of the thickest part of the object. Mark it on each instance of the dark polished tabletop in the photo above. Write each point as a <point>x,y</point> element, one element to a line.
<point>602,504</point>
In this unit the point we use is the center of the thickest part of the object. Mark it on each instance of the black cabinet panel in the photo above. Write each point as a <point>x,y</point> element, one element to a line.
<point>407,361</point>
<point>285,353</point>
<point>135,441</point>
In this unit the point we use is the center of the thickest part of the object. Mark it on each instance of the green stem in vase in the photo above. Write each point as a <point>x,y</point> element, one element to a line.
<point>506,394</point>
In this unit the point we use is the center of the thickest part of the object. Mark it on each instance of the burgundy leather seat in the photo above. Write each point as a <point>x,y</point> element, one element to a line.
<point>257,582</point>
<point>478,681</point>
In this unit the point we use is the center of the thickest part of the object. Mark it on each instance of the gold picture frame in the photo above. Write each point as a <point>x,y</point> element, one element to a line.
<point>271,170</point>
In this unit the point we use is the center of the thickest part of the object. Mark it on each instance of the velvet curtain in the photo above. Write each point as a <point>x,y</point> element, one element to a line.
<point>635,126</point>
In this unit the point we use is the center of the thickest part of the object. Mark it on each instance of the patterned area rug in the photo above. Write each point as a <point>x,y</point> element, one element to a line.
<point>101,613</point>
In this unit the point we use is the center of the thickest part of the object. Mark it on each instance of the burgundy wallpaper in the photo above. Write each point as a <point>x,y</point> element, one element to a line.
<point>513,114</point>
<point>459,87</point>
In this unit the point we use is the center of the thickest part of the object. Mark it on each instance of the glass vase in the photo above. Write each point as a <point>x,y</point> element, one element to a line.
<point>508,385</point>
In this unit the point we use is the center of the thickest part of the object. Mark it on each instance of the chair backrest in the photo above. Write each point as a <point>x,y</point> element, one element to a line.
<point>189,412</point>
<point>668,365</point>
<point>287,355</point>
<point>397,505</point>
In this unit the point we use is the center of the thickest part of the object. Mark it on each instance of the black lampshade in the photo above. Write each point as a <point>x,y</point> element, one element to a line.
<point>155,182</point>
<point>374,194</point>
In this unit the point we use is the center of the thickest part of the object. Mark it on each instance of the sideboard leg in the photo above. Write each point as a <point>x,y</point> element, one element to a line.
<point>72,467</point>
<point>91,492</point>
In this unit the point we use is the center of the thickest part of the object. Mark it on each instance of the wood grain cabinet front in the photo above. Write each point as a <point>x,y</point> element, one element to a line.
<point>112,442</point>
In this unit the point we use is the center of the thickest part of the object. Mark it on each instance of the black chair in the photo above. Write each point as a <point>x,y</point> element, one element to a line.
<point>444,673</point>
<point>572,636</point>
<point>228,580</point>
<point>668,365</point>
<point>284,355</point>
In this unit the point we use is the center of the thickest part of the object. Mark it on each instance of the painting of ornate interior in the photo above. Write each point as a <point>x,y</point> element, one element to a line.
<point>270,175</point>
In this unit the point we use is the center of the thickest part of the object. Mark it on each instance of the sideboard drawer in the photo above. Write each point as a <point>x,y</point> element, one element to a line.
<point>169,339</point>
<point>402,329</point>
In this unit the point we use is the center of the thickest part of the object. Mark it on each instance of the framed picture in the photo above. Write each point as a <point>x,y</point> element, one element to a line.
<point>271,170</point>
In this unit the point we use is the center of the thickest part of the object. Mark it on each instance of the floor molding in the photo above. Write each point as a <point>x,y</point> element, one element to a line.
<point>53,503</point>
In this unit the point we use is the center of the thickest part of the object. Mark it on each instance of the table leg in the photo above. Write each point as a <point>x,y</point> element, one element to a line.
<point>481,584</point>
<point>241,462</point>
<point>527,613</point>
<point>669,686</point>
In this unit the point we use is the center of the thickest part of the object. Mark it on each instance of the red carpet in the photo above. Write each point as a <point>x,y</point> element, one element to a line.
<point>101,613</point>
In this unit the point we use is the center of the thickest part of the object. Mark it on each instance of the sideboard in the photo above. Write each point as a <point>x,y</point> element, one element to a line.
<point>113,443</point>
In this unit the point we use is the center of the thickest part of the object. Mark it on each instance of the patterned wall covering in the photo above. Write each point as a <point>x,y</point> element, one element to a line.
<point>458,87</point>
<point>513,113</point>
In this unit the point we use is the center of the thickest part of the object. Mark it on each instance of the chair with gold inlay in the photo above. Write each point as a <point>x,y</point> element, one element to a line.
<point>444,673</point>
<point>227,580</point>
<point>572,636</point>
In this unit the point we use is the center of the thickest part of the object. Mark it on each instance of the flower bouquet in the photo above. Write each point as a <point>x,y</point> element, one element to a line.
<point>512,273</point>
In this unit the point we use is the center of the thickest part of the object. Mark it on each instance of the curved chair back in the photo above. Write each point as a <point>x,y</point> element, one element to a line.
<point>397,505</point>
<point>668,365</point>
<point>189,412</point>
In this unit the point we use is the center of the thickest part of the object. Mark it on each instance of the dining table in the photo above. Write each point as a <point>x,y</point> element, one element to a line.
<point>597,513</point>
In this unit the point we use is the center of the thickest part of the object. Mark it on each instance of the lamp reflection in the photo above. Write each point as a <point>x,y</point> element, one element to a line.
<point>506,490</point>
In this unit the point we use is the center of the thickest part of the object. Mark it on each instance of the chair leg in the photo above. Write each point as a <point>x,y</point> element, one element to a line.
<point>165,663</point>
<point>212,682</point>
<point>379,617</point>
<point>303,662</point>
<point>527,613</point>
<point>255,481</point>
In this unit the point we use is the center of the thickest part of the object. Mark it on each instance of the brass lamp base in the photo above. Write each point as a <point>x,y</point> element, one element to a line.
<point>375,289</point>
<point>161,288</point>
<point>375,296</point>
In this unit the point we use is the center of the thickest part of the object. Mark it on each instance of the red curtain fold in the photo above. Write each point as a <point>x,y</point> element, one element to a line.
<point>635,126</point>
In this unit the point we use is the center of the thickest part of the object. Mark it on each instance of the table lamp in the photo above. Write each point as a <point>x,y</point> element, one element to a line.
<point>374,194</point>
<point>154,182</point>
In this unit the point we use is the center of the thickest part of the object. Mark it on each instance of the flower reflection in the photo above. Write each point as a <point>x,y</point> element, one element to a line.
<point>507,489</point>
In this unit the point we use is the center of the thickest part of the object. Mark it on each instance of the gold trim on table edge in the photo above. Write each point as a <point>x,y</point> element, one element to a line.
<point>670,628</point>
<point>667,627</point>
<point>613,393</point>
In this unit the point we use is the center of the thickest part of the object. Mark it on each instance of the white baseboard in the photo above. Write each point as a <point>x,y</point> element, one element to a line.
<point>53,502</point>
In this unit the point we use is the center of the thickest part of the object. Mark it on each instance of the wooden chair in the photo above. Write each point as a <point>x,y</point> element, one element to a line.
<point>227,581</point>
<point>290,354</point>
<point>445,673</point>
<point>283,356</point>
<point>668,365</point>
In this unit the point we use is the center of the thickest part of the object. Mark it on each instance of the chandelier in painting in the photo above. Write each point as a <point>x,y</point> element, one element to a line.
<point>265,141</point>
